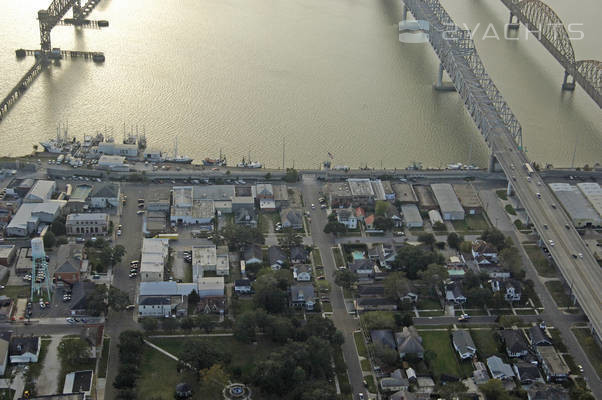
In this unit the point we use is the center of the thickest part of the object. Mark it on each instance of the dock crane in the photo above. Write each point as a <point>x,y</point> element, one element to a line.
<point>48,19</point>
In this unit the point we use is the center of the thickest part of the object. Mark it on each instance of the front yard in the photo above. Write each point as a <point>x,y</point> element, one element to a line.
<point>445,360</point>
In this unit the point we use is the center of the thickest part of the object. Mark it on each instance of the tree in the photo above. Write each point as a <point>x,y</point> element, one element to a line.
<point>479,297</point>
<point>439,226</point>
<point>413,259</point>
<point>244,327</point>
<point>49,240</point>
<point>187,323</point>
<point>95,301</point>
<point>214,379</point>
<point>428,239</point>
<point>510,259</point>
<point>466,246</point>
<point>291,175</point>
<point>58,227</point>
<point>345,278</point>
<point>380,208</point>
<point>118,299</point>
<point>383,223</point>
<point>118,253</point>
<point>278,329</point>
<point>493,389</point>
<point>270,293</point>
<point>73,351</point>
<point>451,390</point>
<point>169,324</point>
<point>193,299</point>
<point>268,176</point>
<point>199,354</point>
<point>239,236</point>
<point>289,238</point>
<point>434,275</point>
<point>385,354</point>
<point>396,285</point>
<point>149,324</point>
<point>495,237</point>
<point>454,241</point>
<point>206,323</point>
<point>335,227</point>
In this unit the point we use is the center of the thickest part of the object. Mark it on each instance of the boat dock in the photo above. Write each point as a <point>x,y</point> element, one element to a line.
<point>59,54</point>
<point>20,87</point>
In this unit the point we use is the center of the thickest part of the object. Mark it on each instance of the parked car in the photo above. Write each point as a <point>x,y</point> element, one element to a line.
<point>464,318</point>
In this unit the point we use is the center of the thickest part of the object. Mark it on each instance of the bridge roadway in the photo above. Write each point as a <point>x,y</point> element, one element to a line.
<point>500,128</point>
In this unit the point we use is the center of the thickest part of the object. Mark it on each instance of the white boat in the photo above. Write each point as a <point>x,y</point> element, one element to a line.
<point>176,158</point>
<point>455,166</point>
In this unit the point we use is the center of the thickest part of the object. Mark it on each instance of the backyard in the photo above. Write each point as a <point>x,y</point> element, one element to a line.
<point>445,360</point>
<point>485,340</point>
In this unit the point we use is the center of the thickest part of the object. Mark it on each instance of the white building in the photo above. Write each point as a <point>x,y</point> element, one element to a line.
<point>450,206</point>
<point>186,209</point>
<point>435,217</point>
<point>40,192</point>
<point>113,163</point>
<point>153,258</point>
<point>118,149</point>
<point>87,224</point>
<point>411,216</point>
<point>593,193</point>
<point>30,215</point>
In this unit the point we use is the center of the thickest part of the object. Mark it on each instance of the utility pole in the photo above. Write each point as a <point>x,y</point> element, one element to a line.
<point>283,147</point>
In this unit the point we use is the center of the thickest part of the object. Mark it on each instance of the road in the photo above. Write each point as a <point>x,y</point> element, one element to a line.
<point>341,318</point>
<point>581,272</point>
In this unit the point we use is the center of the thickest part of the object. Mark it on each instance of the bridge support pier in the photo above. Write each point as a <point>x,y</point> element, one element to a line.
<point>509,190</point>
<point>440,85</point>
<point>511,23</point>
<point>566,84</point>
<point>492,164</point>
<point>404,12</point>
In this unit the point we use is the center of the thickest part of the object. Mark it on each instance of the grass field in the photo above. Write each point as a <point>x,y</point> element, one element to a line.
<point>475,222</point>
<point>104,358</point>
<point>556,289</point>
<point>16,291</point>
<point>445,361</point>
<point>540,262</point>
<point>338,257</point>
<point>360,344</point>
<point>486,342</point>
<point>159,376</point>
<point>590,348</point>
<point>81,365</point>
<point>317,257</point>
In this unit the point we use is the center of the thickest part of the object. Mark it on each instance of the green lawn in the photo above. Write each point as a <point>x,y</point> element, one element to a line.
<point>365,364</point>
<point>589,346</point>
<point>431,313</point>
<point>241,305</point>
<point>16,291</point>
<point>540,262</point>
<point>557,341</point>
<point>525,312</point>
<point>557,291</point>
<point>6,394</point>
<point>446,361</point>
<point>81,365</point>
<point>360,344</point>
<point>475,222</point>
<point>371,384</point>
<point>326,307</point>
<point>317,257</point>
<point>428,303</point>
<point>509,209</point>
<point>104,358</point>
<point>486,342</point>
<point>338,257</point>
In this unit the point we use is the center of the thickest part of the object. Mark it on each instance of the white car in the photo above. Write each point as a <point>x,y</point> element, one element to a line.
<point>552,243</point>
<point>140,212</point>
<point>118,232</point>
<point>70,320</point>
<point>313,206</point>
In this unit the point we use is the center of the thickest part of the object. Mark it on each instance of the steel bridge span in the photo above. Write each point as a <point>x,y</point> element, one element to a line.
<point>48,19</point>
<point>549,29</point>
<point>503,134</point>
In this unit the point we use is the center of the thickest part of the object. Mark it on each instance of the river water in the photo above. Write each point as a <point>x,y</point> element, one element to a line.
<point>320,75</point>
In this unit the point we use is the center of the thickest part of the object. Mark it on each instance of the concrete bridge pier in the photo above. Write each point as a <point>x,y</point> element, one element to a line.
<point>492,164</point>
<point>404,12</point>
<point>440,85</point>
<point>566,84</point>
<point>509,190</point>
<point>513,23</point>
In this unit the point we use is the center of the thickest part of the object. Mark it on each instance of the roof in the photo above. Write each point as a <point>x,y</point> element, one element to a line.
<point>301,268</point>
<point>23,344</point>
<point>463,341</point>
<point>66,267</point>
<point>25,212</point>
<point>446,197</point>
<point>498,368</point>
<point>482,247</point>
<point>404,192</point>
<point>593,193</point>
<point>371,290</point>
<point>155,301</point>
<point>293,216</point>
<point>467,195</point>
<point>546,391</point>
<point>105,190</point>
<point>379,190</point>
<point>107,159</point>
<point>383,337</point>
<point>409,341</point>
<point>244,215</point>
<point>87,217</point>
<point>264,189</point>
<point>306,290</point>
<point>575,203</point>
<point>363,264</point>
<point>41,190</point>
<point>425,196</point>
<point>556,364</point>
<point>171,288</point>
<point>298,253</point>
<point>276,255</point>
<point>204,255</point>
<point>253,251</point>
<point>242,282</point>
<point>79,381</point>
<point>515,340</point>
<point>538,336</point>
<point>411,214</point>
<point>527,371</point>
<point>280,192</point>
<point>360,187</point>
<point>375,301</point>
<point>213,192</point>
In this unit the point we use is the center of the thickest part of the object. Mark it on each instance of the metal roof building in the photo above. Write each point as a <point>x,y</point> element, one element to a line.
<point>468,198</point>
<point>451,209</point>
<point>411,216</point>
<point>576,205</point>
<point>404,193</point>
<point>593,193</point>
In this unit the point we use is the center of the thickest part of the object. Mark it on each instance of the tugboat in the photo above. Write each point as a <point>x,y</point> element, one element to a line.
<point>176,158</point>
<point>215,162</point>
<point>248,164</point>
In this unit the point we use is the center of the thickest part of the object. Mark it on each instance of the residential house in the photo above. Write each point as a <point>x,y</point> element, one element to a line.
<point>426,384</point>
<point>369,222</point>
<point>360,213</point>
<point>155,306</point>
<point>543,391</point>
<point>409,342</point>
<point>299,255</point>
<point>346,216</point>
<point>480,375</point>
<point>526,373</point>
<point>453,293</point>
<point>539,337</point>
<point>68,272</point>
<point>4,350</point>
<point>264,191</point>
<point>383,337</point>
<point>483,252</point>
<point>291,218</point>
<point>280,195</point>
<point>79,382</point>
<point>463,344</point>
<point>499,369</point>
<point>395,382</point>
<point>24,349</point>
<point>212,305</point>
<point>245,216</point>
<point>374,304</point>
<point>512,290</point>
<point>242,286</point>
<point>515,342</point>
<point>302,272</point>
<point>302,296</point>
<point>253,254</point>
<point>406,291</point>
<point>364,268</point>
<point>371,290</point>
<point>277,257</point>
<point>171,298</point>
<point>553,365</point>
<point>267,205</point>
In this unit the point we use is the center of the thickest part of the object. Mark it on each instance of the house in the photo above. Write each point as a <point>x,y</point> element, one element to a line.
<point>364,268</point>
<point>526,373</point>
<point>153,258</point>
<point>426,384</point>
<point>484,251</point>
<point>480,375</point>
<point>512,290</point>
<point>453,293</point>
<point>515,342</point>
<point>299,255</point>
<point>155,306</point>
<point>463,344</point>
<point>543,391</point>
<point>539,337</point>
<point>277,257</point>
<point>212,305</point>
<point>409,342</point>
<point>253,254</point>
<point>78,382</point>
<point>280,195</point>
<point>346,216</point>
<point>4,350</point>
<point>264,191</point>
<point>104,195</point>
<point>291,218</point>
<point>242,286</point>
<point>360,213</point>
<point>24,349</point>
<point>302,296</point>
<point>371,291</point>
<point>170,298</point>
<point>374,304</point>
<point>369,222</point>
<point>383,337</point>
<point>395,382</point>
<point>67,272</point>
<point>245,216</point>
<point>499,369</point>
<point>406,291</point>
<point>302,272</point>
<point>554,367</point>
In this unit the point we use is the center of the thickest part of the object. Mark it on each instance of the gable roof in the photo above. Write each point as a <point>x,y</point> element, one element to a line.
<point>106,190</point>
<point>383,337</point>
<point>253,251</point>
<point>371,290</point>
<point>409,341</point>
<point>242,283</point>
<point>527,371</point>
<point>306,290</point>
<point>514,340</point>
<point>362,264</point>
<point>463,341</point>
<point>292,216</point>
<point>67,267</point>
<point>298,253</point>
<point>543,391</point>
<point>23,344</point>
<point>276,255</point>
<point>539,337</point>
<point>499,368</point>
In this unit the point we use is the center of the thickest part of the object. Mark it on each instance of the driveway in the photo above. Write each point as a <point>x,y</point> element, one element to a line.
<point>47,381</point>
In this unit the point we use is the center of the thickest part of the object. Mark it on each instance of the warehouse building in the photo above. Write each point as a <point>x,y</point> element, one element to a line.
<point>118,149</point>
<point>468,198</point>
<point>576,205</point>
<point>40,192</point>
<point>339,194</point>
<point>426,200</point>
<point>186,209</point>
<point>405,193</point>
<point>153,258</point>
<point>113,163</point>
<point>593,194</point>
<point>435,217</point>
<point>30,215</point>
<point>450,207</point>
<point>411,216</point>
